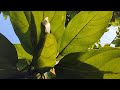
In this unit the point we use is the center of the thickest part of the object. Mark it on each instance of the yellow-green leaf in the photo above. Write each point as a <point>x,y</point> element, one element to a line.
<point>38,18</point>
<point>22,54</point>
<point>28,26</point>
<point>57,22</point>
<point>21,28</point>
<point>84,30</point>
<point>46,57</point>
<point>100,64</point>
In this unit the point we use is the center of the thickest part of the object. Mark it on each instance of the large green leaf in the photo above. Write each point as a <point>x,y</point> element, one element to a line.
<point>56,19</point>
<point>38,18</point>
<point>49,14</point>
<point>70,67</point>
<point>27,25</point>
<point>102,63</point>
<point>84,30</point>
<point>57,22</point>
<point>24,58</point>
<point>8,58</point>
<point>46,57</point>
<point>22,54</point>
<point>21,28</point>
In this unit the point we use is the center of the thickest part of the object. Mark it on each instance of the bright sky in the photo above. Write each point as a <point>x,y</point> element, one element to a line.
<point>7,30</point>
<point>109,36</point>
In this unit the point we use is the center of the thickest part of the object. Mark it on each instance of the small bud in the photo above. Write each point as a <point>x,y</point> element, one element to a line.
<point>47,25</point>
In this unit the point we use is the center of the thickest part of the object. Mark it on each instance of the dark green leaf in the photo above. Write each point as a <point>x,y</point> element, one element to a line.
<point>70,67</point>
<point>102,63</point>
<point>8,58</point>
<point>22,65</point>
<point>116,42</point>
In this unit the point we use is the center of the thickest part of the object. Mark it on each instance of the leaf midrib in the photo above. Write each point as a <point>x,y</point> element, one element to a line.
<point>78,33</point>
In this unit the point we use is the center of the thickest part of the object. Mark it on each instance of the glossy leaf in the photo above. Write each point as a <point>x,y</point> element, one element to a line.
<point>102,63</point>
<point>46,57</point>
<point>8,58</point>
<point>84,30</point>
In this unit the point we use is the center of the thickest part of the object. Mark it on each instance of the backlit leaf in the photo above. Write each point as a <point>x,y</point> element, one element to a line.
<point>22,54</point>
<point>21,28</point>
<point>57,22</point>
<point>46,57</point>
<point>99,64</point>
<point>84,30</point>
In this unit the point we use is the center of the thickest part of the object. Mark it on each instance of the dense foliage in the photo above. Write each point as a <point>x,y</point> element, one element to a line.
<point>60,45</point>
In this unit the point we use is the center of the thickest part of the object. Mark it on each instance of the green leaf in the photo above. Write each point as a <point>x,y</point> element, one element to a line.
<point>21,28</point>
<point>49,14</point>
<point>38,18</point>
<point>28,16</point>
<point>22,54</point>
<point>27,26</point>
<point>46,57</point>
<point>57,22</point>
<point>70,67</point>
<point>7,49</point>
<point>22,65</point>
<point>84,30</point>
<point>8,58</point>
<point>102,63</point>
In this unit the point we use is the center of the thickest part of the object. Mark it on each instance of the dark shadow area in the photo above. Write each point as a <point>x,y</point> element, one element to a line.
<point>71,68</point>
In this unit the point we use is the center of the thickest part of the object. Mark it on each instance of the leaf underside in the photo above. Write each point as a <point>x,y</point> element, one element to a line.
<point>84,30</point>
<point>95,64</point>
